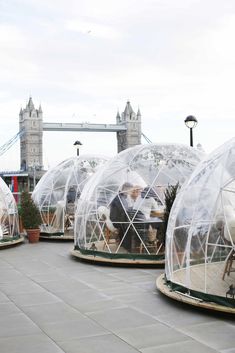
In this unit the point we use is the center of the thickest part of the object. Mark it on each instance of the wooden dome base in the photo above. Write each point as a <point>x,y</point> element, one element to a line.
<point>10,243</point>
<point>118,261</point>
<point>162,287</point>
<point>56,237</point>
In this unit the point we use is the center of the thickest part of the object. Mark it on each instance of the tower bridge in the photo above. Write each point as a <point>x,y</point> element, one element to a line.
<point>127,129</point>
<point>83,127</point>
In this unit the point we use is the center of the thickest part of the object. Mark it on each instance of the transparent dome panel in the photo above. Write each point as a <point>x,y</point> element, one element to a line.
<point>59,189</point>
<point>121,208</point>
<point>9,222</point>
<point>200,245</point>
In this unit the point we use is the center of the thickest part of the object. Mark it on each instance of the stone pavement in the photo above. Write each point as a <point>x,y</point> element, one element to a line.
<point>52,303</point>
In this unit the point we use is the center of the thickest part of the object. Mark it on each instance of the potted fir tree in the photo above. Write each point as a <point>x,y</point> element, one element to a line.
<point>170,195</point>
<point>30,216</point>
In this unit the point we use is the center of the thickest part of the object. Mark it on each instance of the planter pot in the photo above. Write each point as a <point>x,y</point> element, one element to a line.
<point>33,235</point>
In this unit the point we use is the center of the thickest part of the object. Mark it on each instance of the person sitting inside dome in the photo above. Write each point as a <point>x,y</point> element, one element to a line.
<point>118,211</point>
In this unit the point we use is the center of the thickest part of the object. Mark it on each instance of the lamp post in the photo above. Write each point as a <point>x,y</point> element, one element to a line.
<point>35,168</point>
<point>34,176</point>
<point>77,144</point>
<point>191,123</point>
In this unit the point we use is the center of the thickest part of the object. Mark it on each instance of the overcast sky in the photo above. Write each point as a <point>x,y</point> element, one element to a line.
<point>82,60</point>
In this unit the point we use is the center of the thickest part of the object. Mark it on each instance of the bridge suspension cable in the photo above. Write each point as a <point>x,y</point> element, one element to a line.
<point>11,142</point>
<point>146,138</point>
<point>15,138</point>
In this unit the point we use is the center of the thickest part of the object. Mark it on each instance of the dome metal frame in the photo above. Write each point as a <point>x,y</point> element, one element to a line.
<point>58,191</point>
<point>131,237</point>
<point>9,219</point>
<point>200,242</point>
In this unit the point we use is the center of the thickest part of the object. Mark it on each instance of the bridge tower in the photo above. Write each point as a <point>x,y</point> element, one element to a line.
<point>31,121</point>
<point>132,122</point>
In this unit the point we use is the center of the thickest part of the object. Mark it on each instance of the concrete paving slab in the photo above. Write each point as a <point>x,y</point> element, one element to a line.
<point>122,289</point>
<point>101,284</point>
<point>137,277</point>
<point>218,335</point>
<point>98,344</point>
<point>8,309</point>
<point>111,270</point>
<point>57,261</point>
<point>3,298</point>
<point>74,329</point>
<point>10,275</point>
<point>181,347</point>
<point>110,286</point>
<point>176,314</point>
<point>17,325</point>
<point>97,306</point>
<point>66,285</point>
<point>54,312</point>
<point>25,285</point>
<point>137,297</point>
<point>50,275</point>
<point>63,305</point>
<point>28,299</point>
<point>29,344</point>
<point>95,276</point>
<point>117,319</point>
<point>147,286</point>
<point>151,335</point>
<point>4,265</point>
<point>31,268</point>
<point>81,297</point>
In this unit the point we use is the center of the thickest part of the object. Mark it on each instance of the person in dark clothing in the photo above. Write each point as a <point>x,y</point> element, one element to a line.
<point>71,195</point>
<point>118,216</point>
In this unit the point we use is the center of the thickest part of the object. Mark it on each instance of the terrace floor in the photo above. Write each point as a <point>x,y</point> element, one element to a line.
<point>52,303</point>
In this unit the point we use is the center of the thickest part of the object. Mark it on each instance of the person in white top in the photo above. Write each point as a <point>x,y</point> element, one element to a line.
<point>134,195</point>
<point>146,203</point>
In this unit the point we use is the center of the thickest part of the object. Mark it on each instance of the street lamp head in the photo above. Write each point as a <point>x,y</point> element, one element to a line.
<point>77,143</point>
<point>190,121</point>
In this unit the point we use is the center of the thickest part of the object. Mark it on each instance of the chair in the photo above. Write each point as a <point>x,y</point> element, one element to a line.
<point>231,292</point>
<point>69,216</point>
<point>4,230</point>
<point>68,222</point>
<point>110,232</point>
<point>229,264</point>
<point>152,244</point>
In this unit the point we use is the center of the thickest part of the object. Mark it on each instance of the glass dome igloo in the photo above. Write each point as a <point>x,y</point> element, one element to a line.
<point>58,190</point>
<point>200,245</point>
<point>9,221</point>
<point>119,215</point>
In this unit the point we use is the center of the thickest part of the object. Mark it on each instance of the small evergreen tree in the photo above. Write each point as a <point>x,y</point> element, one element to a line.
<point>29,212</point>
<point>170,195</point>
